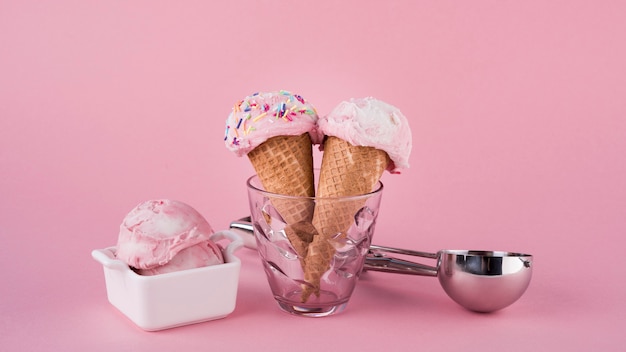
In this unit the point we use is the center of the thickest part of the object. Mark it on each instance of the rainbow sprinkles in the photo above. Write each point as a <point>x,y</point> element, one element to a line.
<point>260,111</point>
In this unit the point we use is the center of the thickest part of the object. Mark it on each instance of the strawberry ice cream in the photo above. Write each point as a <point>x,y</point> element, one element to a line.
<point>160,236</point>
<point>370,122</point>
<point>262,116</point>
<point>198,256</point>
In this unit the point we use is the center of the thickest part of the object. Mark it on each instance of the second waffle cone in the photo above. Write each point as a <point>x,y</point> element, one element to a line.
<point>346,170</point>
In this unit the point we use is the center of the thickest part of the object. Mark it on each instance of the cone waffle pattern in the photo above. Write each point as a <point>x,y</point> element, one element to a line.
<point>300,235</point>
<point>346,170</point>
<point>284,165</point>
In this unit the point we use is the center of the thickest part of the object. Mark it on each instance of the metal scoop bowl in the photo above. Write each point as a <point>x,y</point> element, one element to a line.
<point>481,281</point>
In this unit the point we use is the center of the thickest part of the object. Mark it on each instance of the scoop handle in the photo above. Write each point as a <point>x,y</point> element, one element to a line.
<point>377,261</point>
<point>245,228</point>
<point>376,248</point>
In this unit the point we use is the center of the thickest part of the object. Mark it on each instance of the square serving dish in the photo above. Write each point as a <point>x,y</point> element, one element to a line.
<point>173,299</point>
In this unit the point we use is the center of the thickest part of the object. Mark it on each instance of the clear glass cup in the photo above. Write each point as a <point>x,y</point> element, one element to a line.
<point>287,242</point>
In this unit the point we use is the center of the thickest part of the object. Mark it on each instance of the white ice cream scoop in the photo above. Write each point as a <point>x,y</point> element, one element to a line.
<point>481,281</point>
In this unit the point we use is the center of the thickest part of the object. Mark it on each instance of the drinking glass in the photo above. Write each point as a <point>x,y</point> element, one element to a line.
<point>289,244</point>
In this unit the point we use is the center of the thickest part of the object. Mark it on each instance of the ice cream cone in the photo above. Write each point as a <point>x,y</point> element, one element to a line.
<point>284,165</point>
<point>346,170</point>
<point>300,235</point>
<point>319,255</point>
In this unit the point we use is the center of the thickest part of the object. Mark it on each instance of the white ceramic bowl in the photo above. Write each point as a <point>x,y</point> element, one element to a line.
<point>173,299</point>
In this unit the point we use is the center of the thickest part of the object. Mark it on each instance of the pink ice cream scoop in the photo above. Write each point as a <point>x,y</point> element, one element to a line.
<point>370,122</point>
<point>164,235</point>
<point>265,115</point>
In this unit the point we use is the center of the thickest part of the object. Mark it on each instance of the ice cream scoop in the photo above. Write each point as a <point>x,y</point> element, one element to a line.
<point>164,235</point>
<point>370,122</point>
<point>264,115</point>
<point>481,281</point>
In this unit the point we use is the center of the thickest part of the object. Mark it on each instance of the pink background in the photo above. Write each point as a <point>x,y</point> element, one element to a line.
<point>519,132</point>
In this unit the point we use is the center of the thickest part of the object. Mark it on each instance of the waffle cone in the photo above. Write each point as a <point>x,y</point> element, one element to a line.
<point>347,170</point>
<point>319,255</point>
<point>284,165</point>
<point>300,235</point>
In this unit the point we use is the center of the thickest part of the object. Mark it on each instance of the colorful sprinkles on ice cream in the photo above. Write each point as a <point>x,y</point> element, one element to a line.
<point>264,115</point>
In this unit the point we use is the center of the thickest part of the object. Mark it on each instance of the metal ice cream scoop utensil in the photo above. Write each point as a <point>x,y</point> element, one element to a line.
<point>481,281</point>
